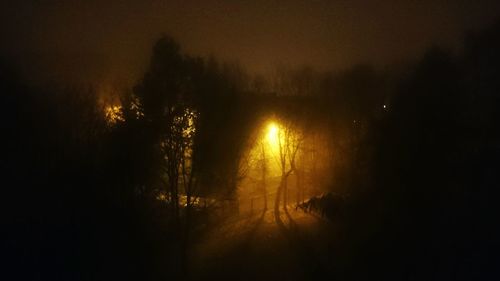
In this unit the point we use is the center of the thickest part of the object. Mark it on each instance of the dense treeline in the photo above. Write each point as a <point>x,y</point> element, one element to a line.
<point>415,149</point>
<point>433,158</point>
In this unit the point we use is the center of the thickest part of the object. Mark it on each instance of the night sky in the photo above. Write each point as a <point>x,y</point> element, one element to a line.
<point>111,40</point>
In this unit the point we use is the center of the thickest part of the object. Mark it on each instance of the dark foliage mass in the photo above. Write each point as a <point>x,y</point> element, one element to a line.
<point>417,185</point>
<point>329,206</point>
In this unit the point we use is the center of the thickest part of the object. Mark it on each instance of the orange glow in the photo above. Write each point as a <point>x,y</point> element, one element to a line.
<point>113,114</point>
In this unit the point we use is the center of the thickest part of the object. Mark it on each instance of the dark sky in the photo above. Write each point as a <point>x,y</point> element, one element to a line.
<point>106,40</point>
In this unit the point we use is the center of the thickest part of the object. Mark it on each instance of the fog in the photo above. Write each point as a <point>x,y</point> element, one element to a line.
<point>109,42</point>
<point>263,140</point>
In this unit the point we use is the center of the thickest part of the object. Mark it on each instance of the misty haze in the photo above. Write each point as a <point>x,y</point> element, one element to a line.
<point>250,140</point>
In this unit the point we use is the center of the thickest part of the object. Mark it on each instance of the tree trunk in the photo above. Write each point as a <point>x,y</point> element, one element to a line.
<point>265,200</point>
<point>278,195</point>
<point>285,192</point>
<point>175,197</point>
<point>264,189</point>
<point>298,186</point>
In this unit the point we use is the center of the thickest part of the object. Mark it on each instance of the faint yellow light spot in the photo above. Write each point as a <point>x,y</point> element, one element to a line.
<point>190,129</point>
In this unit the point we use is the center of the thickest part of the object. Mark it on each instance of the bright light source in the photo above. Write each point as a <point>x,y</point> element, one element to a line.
<point>384,106</point>
<point>272,133</point>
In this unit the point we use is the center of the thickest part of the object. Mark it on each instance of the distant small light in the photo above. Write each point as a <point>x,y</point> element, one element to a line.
<point>384,106</point>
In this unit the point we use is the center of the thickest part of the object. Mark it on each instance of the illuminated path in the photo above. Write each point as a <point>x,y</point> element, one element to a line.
<point>259,247</point>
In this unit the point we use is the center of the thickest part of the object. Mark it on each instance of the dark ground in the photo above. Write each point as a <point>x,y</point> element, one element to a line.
<point>296,246</point>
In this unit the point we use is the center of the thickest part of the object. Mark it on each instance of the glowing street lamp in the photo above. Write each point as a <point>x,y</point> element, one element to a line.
<point>272,132</point>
